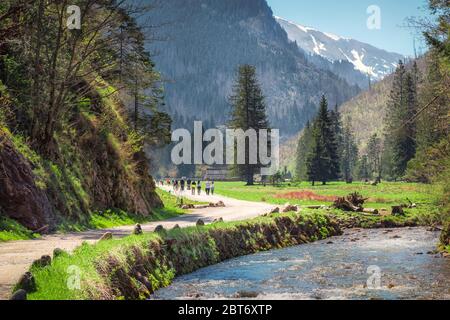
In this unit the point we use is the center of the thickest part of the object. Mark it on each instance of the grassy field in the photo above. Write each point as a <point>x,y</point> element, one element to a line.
<point>384,195</point>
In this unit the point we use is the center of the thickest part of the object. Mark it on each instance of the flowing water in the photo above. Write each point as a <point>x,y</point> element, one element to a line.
<point>361,264</point>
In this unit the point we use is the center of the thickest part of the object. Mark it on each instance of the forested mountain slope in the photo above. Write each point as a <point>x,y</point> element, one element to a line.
<point>205,41</point>
<point>366,113</point>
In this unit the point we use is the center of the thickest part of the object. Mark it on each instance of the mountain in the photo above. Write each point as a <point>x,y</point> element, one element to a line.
<point>341,52</point>
<point>205,42</point>
<point>365,113</point>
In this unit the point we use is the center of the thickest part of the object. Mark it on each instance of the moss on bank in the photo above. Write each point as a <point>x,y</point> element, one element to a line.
<point>11,230</point>
<point>134,267</point>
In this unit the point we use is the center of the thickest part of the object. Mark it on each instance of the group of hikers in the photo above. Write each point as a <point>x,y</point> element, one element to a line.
<point>189,185</point>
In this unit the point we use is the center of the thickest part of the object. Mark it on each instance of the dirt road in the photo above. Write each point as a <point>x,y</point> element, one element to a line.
<point>17,256</point>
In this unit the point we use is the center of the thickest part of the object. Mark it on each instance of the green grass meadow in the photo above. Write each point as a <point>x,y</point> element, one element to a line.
<point>385,194</point>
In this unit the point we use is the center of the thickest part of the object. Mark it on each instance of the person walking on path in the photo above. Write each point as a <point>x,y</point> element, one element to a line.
<point>188,186</point>
<point>199,187</point>
<point>182,183</point>
<point>207,187</point>
<point>194,184</point>
<point>212,188</point>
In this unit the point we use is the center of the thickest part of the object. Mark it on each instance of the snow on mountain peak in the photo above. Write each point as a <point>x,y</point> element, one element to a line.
<point>333,36</point>
<point>365,58</point>
<point>299,26</point>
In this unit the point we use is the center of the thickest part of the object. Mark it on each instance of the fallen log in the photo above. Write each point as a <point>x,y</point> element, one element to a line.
<point>353,202</point>
<point>371,211</point>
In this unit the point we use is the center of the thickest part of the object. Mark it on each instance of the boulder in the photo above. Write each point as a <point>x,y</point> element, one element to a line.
<point>159,229</point>
<point>19,295</point>
<point>220,204</point>
<point>176,227</point>
<point>200,223</point>
<point>106,236</point>
<point>275,210</point>
<point>58,252</point>
<point>27,282</point>
<point>289,208</point>
<point>42,262</point>
<point>137,229</point>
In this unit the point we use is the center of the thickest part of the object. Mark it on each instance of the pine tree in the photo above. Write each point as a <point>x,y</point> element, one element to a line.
<point>304,147</point>
<point>400,128</point>
<point>249,112</point>
<point>336,121</point>
<point>374,157</point>
<point>323,161</point>
<point>349,153</point>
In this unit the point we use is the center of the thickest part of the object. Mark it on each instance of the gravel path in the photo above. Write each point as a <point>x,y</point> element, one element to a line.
<point>17,256</point>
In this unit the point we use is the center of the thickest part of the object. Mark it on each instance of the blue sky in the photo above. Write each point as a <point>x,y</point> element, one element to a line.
<point>348,18</point>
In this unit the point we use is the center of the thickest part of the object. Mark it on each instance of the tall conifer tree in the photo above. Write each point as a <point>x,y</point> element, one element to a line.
<point>400,126</point>
<point>249,112</point>
<point>323,160</point>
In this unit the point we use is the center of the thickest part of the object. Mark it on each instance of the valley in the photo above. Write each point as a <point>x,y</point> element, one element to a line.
<point>209,149</point>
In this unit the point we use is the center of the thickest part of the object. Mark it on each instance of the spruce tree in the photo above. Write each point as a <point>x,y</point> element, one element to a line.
<point>374,156</point>
<point>400,128</point>
<point>304,147</point>
<point>323,160</point>
<point>249,112</point>
<point>349,153</point>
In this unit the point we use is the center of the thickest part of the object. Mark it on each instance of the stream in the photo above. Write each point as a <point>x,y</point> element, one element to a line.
<point>361,264</point>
